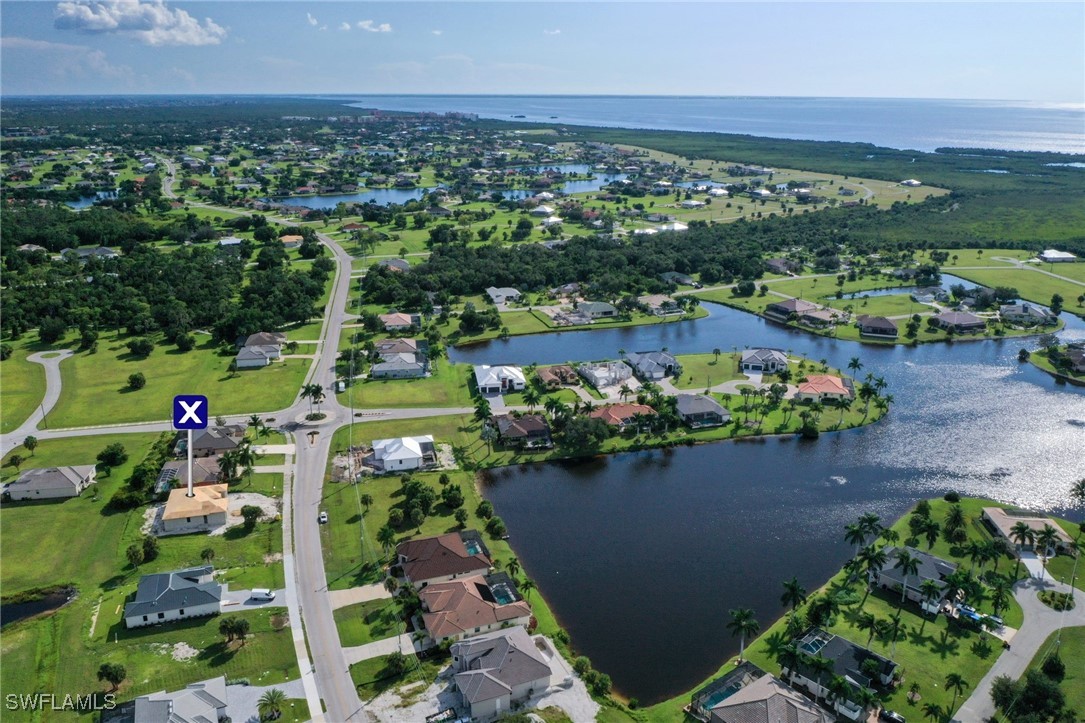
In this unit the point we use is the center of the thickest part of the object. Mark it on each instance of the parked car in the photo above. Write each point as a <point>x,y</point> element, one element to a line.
<point>892,716</point>
<point>262,594</point>
<point>323,519</point>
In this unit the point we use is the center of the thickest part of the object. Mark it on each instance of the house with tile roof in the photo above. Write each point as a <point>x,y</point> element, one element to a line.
<point>492,672</point>
<point>468,606</point>
<point>621,415</point>
<point>176,595</point>
<point>442,558</point>
<point>822,388</point>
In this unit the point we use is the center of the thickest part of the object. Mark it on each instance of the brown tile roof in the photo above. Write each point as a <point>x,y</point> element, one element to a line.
<point>432,557</point>
<point>459,606</point>
<point>618,414</point>
<point>823,384</point>
<point>207,500</point>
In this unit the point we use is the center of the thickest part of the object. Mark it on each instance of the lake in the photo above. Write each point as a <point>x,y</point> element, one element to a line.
<point>640,555</point>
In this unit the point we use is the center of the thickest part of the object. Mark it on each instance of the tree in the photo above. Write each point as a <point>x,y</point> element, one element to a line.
<point>207,555</point>
<point>874,559</point>
<point>482,410</point>
<point>386,537</point>
<point>113,455</point>
<point>241,628</point>
<point>742,624</point>
<point>185,342</point>
<point>794,594</point>
<point>134,553</point>
<point>366,500</point>
<point>488,435</point>
<point>461,517</point>
<point>251,513</point>
<point>112,673</point>
<point>957,684</point>
<point>140,347</point>
<point>854,534</point>
<point>532,398</point>
<point>228,627</point>
<point>931,591</point>
<point>1023,535</point>
<point>496,527</point>
<point>1046,539</point>
<point>1056,304</point>
<point>908,565</point>
<point>526,586</point>
<point>270,704</point>
<point>933,711</point>
<point>137,381</point>
<point>716,354</point>
<point>868,623</point>
<point>30,444</point>
<point>397,663</point>
<point>150,547</point>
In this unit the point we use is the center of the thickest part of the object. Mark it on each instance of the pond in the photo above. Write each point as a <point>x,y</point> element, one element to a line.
<point>16,611</point>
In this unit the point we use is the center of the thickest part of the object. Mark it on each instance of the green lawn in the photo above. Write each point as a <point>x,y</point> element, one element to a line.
<point>1072,651</point>
<point>95,386</point>
<point>892,305</point>
<point>982,257</point>
<point>1031,284</point>
<point>22,383</point>
<point>700,371</point>
<point>445,387</point>
<point>365,622</point>
<point>372,679</point>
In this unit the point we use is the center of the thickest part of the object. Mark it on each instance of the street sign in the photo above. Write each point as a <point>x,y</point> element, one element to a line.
<point>190,411</point>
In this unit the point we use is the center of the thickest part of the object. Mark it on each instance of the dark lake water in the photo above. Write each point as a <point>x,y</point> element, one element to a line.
<point>14,612</point>
<point>641,555</point>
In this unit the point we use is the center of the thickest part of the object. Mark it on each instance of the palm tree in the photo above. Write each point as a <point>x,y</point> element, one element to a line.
<point>256,424</point>
<point>893,629</point>
<point>954,519</point>
<point>1023,535</point>
<point>317,395</point>
<point>270,704</point>
<point>855,365</point>
<point>1000,593</point>
<point>488,434</point>
<point>869,623</point>
<point>386,536</point>
<point>482,410</point>
<point>957,684</point>
<point>1045,540</point>
<point>890,535</point>
<point>526,586</point>
<point>854,534</point>
<point>933,711</point>
<point>228,464</point>
<point>821,666</point>
<point>838,688</point>
<point>794,594</point>
<point>874,559</point>
<point>532,398</point>
<point>975,551</point>
<point>742,624</point>
<point>931,528</point>
<point>246,458</point>
<point>512,567</point>
<point>870,523</point>
<point>931,591</point>
<point>624,391</point>
<point>908,565</point>
<point>1077,493</point>
<point>553,406</point>
<point>716,353</point>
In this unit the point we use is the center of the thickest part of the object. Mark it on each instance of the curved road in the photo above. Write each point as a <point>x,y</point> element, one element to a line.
<point>51,361</point>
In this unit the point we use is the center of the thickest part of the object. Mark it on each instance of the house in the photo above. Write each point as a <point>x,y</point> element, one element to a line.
<point>785,267</point>
<point>822,388</point>
<point>673,277</point>
<point>760,194</point>
<point>701,410</point>
<point>176,595</point>
<point>675,226</point>
<point>399,365</point>
<point>401,453</point>
<point>467,606</point>
<point>911,183</point>
<point>605,374</point>
<point>502,295</point>
<point>265,338</point>
<point>398,321</point>
<point>492,672</point>
<point>395,264</point>
<point>819,317</point>
<point>542,210</point>
<point>205,471</point>
<point>1076,358</point>
<point>527,430</point>
<point>692,203</point>
<point>621,415</point>
<point>499,379</point>
<point>783,310</point>
<point>230,241</point>
<point>291,241</point>
<point>748,694</point>
<point>206,510</point>
<point>597,309</point>
<point>765,361</point>
<point>878,327</point>
<point>51,483</point>
<point>1052,256</point>
<point>660,305</point>
<point>254,357</point>
<point>30,248</point>
<point>552,221</point>
<point>961,322</point>
<point>203,702</point>
<point>558,375</point>
<point>214,440</point>
<point>98,252</point>
<point>1026,314</point>
<point>930,568</point>
<point>653,365</point>
<point>397,346</point>
<point>442,558</point>
<point>1001,522</point>
<point>857,665</point>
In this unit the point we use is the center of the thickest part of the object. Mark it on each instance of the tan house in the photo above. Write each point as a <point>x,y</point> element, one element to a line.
<point>460,608</point>
<point>621,415</point>
<point>291,241</point>
<point>51,483</point>
<point>204,511</point>
<point>822,388</point>
<point>1002,521</point>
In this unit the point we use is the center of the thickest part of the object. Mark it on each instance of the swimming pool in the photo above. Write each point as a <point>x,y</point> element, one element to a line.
<point>721,695</point>
<point>472,547</point>
<point>503,594</point>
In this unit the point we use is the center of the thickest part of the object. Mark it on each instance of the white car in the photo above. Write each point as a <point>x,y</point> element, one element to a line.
<point>262,594</point>
<point>323,519</point>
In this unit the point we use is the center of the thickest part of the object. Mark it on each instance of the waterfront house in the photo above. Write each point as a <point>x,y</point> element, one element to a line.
<point>1052,256</point>
<point>499,379</point>
<point>783,310</point>
<point>468,606</point>
<point>176,595</point>
<point>597,309</point>
<point>503,294</point>
<point>878,327</point>
<point>1001,521</point>
<point>443,557</point>
<point>653,365</point>
<point>1026,314</point>
<point>819,317</point>
<point>822,388</point>
<point>701,410</point>
<point>495,671</point>
<point>51,483</point>
<point>403,453</point>
<point>860,667</point>
<point>930,568</point>
<point>214,440</point>
<point>605,374</point>
<point>621,415</point>
<point>748,694</point>
<point>1076,360</point>
<point>204,511</point>
<point>660,305</point>
<point>526,430</point>
<point>556,376</point>
<point>961,322</point>
<point>764,361</point>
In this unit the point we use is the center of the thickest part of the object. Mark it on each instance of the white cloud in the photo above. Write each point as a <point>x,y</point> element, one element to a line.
<point>323,28</point>
<point>312,21</point>
<point>152,23</point>
<point>552,32</point>
<point>344,26</point>
<point>437,32</point>
<point>66,62</point>
<point>372,27</point>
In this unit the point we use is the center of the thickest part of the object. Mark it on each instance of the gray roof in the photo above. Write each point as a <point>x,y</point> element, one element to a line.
<point>398,264</point>
<point>595,307</point>
<point>174,590</point>
<point>397,346</point>
<point>196,703</point>
<point>496,291</point>
<point>959,317</point>
<point>398,364</point>
<point>218,438</point>
<point>648,362</point>
<point>763,355</point>
<point>266,338</point>
<point>494,663</point>
<point>52,478</point>
<point>1026,310</point>
<point>768,700</point>
<point>699,404</point>
<point>930,567</point>
<point>847,657</point>
<point>265,351</point>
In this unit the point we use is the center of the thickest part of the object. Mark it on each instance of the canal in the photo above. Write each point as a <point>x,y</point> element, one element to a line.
<point>641,555</point>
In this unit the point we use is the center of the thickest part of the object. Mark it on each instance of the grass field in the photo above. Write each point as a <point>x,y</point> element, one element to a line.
<point>1072,651</point>
<point>1031,284</point>
<point>446,387</point>
<point>700,371</point>
<point>95,386</point>
<point>371,678</point>
<point>365,622</point>
<point>22,383</point>
<point>892,305</point>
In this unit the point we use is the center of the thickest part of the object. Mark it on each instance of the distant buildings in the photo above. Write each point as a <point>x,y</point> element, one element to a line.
<point>502,295</point>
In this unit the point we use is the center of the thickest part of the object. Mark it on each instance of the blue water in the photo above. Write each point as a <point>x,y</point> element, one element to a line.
<point>916,124</point>
<point>88,201</point>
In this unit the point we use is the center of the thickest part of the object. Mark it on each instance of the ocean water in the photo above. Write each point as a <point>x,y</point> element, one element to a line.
<point>914,124</point>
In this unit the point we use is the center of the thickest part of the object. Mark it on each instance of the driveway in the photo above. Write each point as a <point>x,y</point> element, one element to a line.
<point>242,700</point>
<point>241,601</point>
<point>39,417</point>
<point>378,648</point>
<point>363,593</point>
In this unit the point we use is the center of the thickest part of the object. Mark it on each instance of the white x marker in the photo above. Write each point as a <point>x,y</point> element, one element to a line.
<point>190,412</point>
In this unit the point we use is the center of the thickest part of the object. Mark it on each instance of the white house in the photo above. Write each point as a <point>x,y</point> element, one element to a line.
<point>254,357</point>
<point>674,226</point>
<point>542,210</point>
<point>692,203</point>
<point>605,374</point>
<point>911,182</point>
<point>500,295</point>
<point>403,452</point>
<point>51,483</point>
<point>552,221</point>
<point>195,703</point>
<point>206,510</point>
<point>175,595</point>
<point>1052,256</point>
<point>766,361</point>
<point>499,379</point>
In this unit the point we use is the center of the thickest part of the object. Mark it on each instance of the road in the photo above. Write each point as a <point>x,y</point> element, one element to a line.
<point>51,361</point>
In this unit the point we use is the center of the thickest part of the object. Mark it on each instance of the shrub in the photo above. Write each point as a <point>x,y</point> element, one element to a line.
<point>114,455</point>
<point>485,510</point>
<point>952,497</point>
<point>581,665</point>
<point>124,500</point>
<point>186,342</point>
<point>137,381</point>
<point>6,351</point>
<point>140,347</point>
<point>496,527</point>
<point>395,517</point>
<point>1054,668</point>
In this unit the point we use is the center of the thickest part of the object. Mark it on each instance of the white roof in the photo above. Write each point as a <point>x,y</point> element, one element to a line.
<point>552,221</point>
<point>674,226</point>
<point>488,376</point>
<point>1055,254</point>
<point>400,447</point>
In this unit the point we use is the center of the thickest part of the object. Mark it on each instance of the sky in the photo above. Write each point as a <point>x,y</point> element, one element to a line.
<point>1031,51</point>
